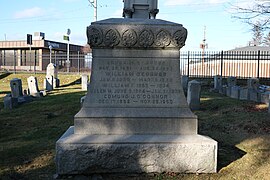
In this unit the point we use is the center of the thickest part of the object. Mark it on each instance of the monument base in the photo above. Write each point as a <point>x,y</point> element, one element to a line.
<point>94,154</point>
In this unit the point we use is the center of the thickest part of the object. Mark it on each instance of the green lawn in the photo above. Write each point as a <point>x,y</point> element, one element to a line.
<point>28,133</point>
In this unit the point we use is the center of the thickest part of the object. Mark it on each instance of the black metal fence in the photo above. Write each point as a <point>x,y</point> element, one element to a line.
<point>241,64</point>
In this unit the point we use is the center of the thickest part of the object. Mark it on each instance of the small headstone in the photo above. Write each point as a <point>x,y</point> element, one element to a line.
<point>48,83</point>
<point>33,86</point>
<point>243,94</point>
<point>52,71</point>
<point>235,92</point>
<point>265,97</point>
<point>84,79</point>
<point>253,95</point>
<point>184,82</point>
<point>10,102</point>
<point>194,94</point>
<point>253,83</point>
<point>228,91</point>
<point>217,82</point>
<point>16,88</point>
<point>231,81</point>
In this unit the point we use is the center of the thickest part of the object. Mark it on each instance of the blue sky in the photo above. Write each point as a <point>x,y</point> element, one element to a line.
<point>54,17</point>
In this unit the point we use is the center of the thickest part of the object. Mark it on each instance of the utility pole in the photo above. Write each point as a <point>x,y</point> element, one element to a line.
<point>203,46</point>
<point>93,3</point>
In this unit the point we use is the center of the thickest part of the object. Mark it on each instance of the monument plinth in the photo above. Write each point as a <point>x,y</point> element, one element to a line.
<point>135,117</point>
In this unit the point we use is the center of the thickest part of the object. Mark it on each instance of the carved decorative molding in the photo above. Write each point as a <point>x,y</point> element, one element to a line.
<point>146,38</point>
<point>108,36</point>
<point>111,38</point>
<point>129,38</point>
<point>163,38</point>
<point>94,36</point>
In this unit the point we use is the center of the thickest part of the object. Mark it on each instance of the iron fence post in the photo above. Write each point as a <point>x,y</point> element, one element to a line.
<point>258,66</point>
<point>221,64</point>
<point>188,65</point>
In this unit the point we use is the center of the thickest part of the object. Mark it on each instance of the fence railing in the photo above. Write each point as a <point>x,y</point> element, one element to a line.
<point>241,64</point>
<point>77,62</point>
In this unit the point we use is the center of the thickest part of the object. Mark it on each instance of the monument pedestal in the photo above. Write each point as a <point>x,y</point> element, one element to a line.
<point>135,117</point>
<point>88,154</point>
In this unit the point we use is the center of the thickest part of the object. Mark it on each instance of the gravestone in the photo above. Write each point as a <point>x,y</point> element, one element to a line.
<point>10,102</point>
<point>217,82</point>
<point>16,87</point>
<point>51,70</point>
<point>135,118</point>
<point>33,86</point>
<point>194,94</point>
<point>184,82</point>
<point>231,81</point>
<point>265,96</point>
<point>84,79</point>
<point>253,89</point>
<point>243,93</point>
<point>48,83</point>
<point>235,92</point>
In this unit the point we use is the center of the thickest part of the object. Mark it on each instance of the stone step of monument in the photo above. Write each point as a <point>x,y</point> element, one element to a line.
<point>135,121</point>
<point>88,154</point>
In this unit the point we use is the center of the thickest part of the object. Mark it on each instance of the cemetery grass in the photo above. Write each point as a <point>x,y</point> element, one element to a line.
<point>29,132</point>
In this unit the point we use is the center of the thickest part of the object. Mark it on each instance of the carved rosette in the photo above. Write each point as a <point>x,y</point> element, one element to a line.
<point>129,38</point>
<point>94,36</point>
<point>179,37</point>
<point>146,38</point>
<point>163,38</point>
<point>136,36</point>
<point>112,38</point>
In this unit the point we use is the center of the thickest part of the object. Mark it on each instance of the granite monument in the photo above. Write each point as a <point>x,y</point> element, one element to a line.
<point>135,118</point>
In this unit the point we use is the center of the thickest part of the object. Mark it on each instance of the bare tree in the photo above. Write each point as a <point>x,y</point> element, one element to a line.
<point>266,40</point>
<point>259,10</point>
<point>257,34</point>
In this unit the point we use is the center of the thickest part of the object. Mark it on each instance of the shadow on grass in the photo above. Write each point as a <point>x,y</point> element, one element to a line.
<point>231,122</point>
<point>77,81</point>
<point>32,129</point>
<point>2,76</point>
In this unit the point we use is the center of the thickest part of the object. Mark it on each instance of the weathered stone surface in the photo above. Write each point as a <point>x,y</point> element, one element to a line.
<point>88,154</point>
<point>235,92</point>
<point>231,81</point>
<point>10,102</point>
<point>184,82</point>
<point>16,87</point>
<point>217,82</point>
<point>140,9</point>
<point>253,95</point>
<point>135,117</point>
<point>52,71</point>
<point>84,81</point>
<point>48,83</point>
<point>243,94</point>
<point>33,86</point>
<point>136,33</point>
<point>253,83</point>
<point>265,96</point>
<point>194,95</point>
<point>228,91</point>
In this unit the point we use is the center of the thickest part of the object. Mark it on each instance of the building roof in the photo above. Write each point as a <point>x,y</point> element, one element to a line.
<point>252,48</point>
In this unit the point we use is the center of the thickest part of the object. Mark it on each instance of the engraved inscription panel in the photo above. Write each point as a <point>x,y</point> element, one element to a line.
<point>135,82</point>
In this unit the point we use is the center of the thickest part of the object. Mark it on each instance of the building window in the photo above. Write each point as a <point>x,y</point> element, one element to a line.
<point>29,59</point>
<point>8,57</point>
